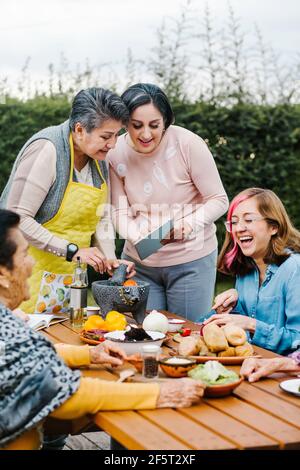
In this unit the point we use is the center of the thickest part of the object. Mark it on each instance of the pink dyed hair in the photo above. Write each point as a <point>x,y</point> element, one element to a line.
<point>232,254</point>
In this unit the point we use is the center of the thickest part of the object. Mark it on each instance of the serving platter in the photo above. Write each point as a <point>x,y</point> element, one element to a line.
<point>225,360</point>
<point>229,360</point>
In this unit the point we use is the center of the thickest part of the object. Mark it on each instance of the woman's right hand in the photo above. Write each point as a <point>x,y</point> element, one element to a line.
<point>93,257</point>
<point>107,352</point>
<point>180,393</point>
<point>253,369</point>
<point>225,301</point>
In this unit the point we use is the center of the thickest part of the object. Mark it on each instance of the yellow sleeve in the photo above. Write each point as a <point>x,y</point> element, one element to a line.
<point>74,356</point>
<point>96,395</point>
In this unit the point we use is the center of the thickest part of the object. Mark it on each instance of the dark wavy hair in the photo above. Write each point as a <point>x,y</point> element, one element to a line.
<point>8,221</point>
<point>145,93</point>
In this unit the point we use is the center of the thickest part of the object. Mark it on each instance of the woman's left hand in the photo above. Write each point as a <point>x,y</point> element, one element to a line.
<point>20,314</point>
<point>242,321</point>
<point>112,264</point>
<point>178,233</point>
<point>108,353</point>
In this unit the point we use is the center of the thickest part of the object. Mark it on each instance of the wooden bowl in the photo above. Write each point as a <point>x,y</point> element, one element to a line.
<point>215,391</point>
<point>176,370</point>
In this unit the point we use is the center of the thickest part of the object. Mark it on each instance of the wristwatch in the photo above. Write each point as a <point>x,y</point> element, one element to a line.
<point>72,249</point>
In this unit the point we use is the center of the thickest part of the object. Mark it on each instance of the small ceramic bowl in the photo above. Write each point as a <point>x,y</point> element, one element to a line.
<point>179,369</point>
<point>92,310</point>
<point>175,324</point>
<point>215,391</point>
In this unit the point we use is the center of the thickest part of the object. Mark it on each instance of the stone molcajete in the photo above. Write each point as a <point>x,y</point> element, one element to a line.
<point>112,295</point>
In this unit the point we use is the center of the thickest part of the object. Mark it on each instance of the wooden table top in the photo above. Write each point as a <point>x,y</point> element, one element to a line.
<point>255,416</point>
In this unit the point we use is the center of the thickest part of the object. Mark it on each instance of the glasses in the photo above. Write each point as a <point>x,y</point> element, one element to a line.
<point>231,225</point>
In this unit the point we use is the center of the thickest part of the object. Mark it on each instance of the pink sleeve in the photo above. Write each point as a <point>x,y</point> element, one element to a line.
<point>29,189</point>
<point>123,220</point>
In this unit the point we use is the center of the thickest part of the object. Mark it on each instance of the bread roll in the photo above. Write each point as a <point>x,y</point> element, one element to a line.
<point>189,346</point>
<point>214,338</point>
<point>229,352</point>
<point>204,351</point>
<point>244,350</point>
<point>235,335</point>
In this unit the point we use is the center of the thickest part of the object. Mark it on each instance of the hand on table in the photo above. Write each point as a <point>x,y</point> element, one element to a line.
<point>108,353</point>
<point>180,393</point>
<point>225,301</point>
<point>253,369</point>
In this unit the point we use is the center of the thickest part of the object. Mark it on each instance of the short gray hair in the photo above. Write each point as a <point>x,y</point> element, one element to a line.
<point>93,106</point>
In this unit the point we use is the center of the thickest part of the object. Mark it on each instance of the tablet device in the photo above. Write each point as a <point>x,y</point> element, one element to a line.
<point>152,243</point>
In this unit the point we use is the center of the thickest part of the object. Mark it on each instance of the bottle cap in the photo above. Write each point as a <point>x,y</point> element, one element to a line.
<point>150,348</point>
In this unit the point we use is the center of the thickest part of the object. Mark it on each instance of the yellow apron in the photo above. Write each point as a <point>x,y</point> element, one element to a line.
<point>75,221</point>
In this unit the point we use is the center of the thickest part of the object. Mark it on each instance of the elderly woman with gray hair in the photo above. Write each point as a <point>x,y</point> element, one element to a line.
<point>35,376</point>
<point>59,186</point>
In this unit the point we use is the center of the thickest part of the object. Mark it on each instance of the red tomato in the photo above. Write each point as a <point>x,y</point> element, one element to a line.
<point>185,332</point>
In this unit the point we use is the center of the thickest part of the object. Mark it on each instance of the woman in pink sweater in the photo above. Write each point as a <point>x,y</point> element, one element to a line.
<point>160,172</point>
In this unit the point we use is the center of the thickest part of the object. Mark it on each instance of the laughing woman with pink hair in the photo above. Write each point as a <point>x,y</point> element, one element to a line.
<point>262,249</point>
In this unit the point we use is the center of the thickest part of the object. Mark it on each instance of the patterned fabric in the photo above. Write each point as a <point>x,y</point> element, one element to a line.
<point>25,352</point>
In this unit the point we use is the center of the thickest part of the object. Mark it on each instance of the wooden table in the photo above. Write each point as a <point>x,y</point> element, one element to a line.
<point>255,416</point>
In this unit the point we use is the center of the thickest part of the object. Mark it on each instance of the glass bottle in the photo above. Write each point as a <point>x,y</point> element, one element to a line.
<point>150,355</point>
<point>78,296</point>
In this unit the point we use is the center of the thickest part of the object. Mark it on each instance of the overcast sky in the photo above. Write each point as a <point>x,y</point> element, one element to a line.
<point>103,30</point>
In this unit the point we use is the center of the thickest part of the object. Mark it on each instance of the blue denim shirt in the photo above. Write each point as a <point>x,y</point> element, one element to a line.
<point>275,305</point>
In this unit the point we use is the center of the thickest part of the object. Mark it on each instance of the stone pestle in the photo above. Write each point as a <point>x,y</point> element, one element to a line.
<point>119,276</point>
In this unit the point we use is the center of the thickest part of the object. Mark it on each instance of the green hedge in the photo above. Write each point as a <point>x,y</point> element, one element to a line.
<point>19,121</point>
<point>253,145</point>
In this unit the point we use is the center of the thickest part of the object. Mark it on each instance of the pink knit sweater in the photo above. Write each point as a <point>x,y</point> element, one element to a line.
<point>177,180</point>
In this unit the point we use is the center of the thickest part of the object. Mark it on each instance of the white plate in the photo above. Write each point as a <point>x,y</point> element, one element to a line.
<point>291,386</point>
<point>134,347</point>
<point>119,335</point>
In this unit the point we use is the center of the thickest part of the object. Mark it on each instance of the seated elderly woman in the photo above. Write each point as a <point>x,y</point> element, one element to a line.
<point>35,382</point>
<point>262,250</point>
